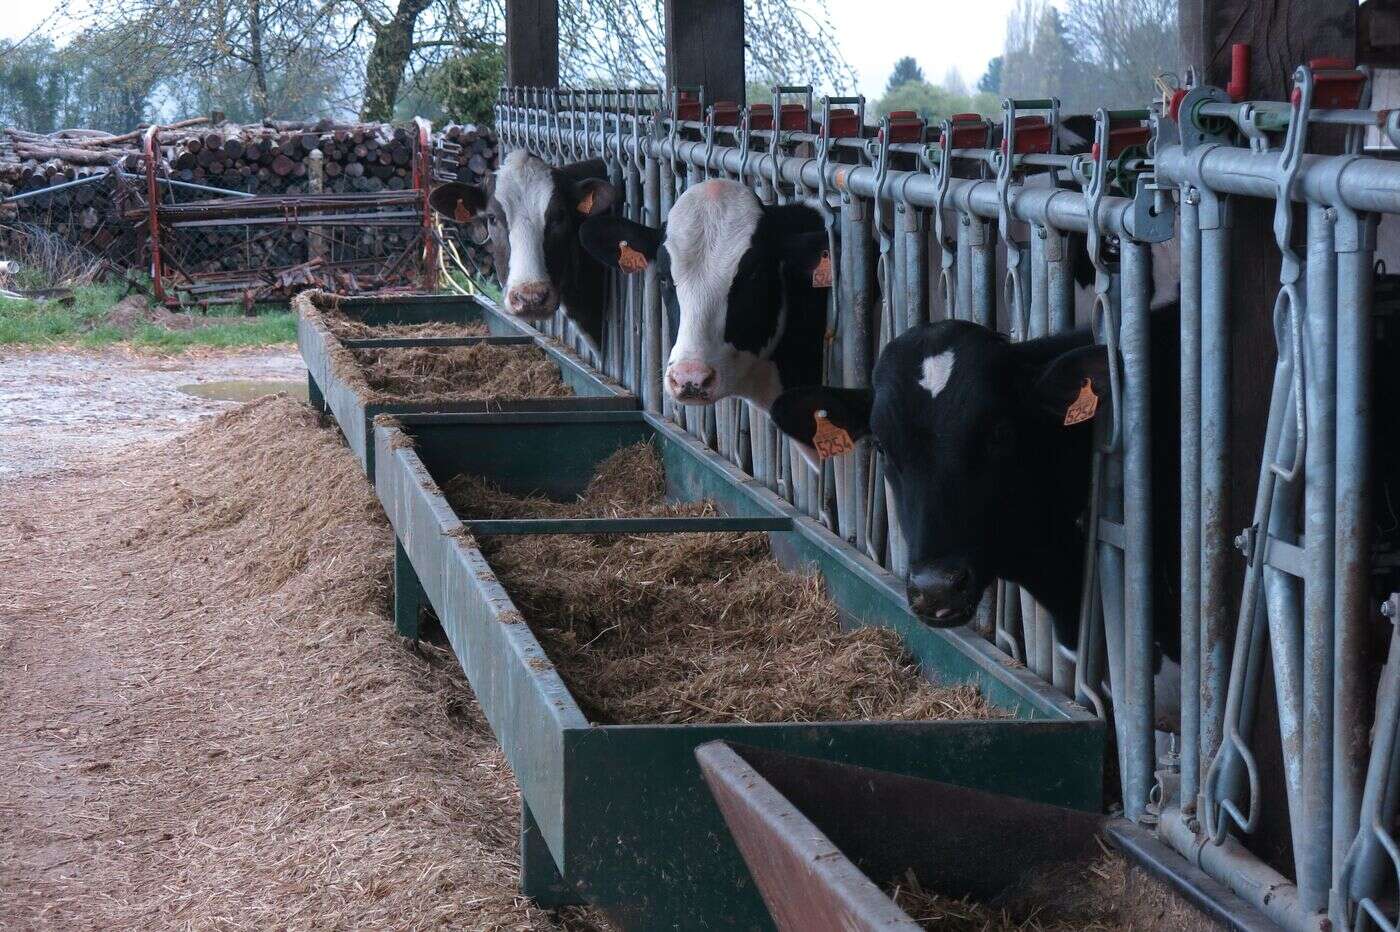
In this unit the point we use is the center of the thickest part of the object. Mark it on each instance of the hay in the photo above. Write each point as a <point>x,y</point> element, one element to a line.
<point>348,328</point>
<point>485,371</point>
<point>218,728</point>
<point>687,628</point>
<point>1105,894</point>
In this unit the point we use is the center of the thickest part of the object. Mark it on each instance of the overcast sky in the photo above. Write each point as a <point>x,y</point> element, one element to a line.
<point>873,33</point>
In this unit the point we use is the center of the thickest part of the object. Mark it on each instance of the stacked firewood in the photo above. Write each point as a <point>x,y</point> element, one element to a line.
<point>467,154</point>
<point>298,160</point>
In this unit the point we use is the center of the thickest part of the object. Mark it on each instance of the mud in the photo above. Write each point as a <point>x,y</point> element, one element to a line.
<point>59,409</point>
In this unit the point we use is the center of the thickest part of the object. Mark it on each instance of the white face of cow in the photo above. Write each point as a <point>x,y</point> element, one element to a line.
<point>524,191</point>
<point>710,230</point>
<point>745,288</point>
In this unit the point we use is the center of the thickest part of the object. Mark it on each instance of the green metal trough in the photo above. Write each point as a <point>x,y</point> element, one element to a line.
<point>619,815</point>
<point>355,414</point>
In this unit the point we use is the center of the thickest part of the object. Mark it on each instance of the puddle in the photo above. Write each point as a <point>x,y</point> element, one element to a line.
<point>57,408</point>
<point>244,389</point>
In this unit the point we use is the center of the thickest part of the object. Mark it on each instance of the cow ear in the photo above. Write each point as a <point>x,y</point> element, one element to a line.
<point>826,420</point>
<point>458,202</point>
<point>620,244</point>
<point>807,256</point>
<point>1069,387</point>
<point>593,196</point>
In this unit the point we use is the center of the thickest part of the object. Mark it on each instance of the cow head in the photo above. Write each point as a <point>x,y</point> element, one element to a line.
<point>531,215</point>
<point>736,275</point>
<point>986,451</point>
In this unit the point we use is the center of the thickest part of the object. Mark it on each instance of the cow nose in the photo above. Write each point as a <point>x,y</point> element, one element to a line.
<point>690,381</point>
<point>942,593</point>
<point>531,299</point>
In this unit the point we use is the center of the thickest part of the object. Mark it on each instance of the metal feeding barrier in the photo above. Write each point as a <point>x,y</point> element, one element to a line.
<point>998,221</point>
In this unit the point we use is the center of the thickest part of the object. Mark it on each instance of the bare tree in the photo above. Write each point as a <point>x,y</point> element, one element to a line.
<point>268,42</point>
<point>600,41</point>
<point>1093,53</point>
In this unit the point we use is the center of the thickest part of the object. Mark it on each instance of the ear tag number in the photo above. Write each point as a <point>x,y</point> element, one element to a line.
<point>629,259</point>
<point>1084,406</point>
<point>585,206</point>
<point>829,439</point>
<point>821,275</point>
<point>460,212</point>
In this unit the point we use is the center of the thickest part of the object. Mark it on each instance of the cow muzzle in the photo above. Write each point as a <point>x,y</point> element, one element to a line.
<point>943,594</point>
<point>532,300</point>
<point>691,382</point>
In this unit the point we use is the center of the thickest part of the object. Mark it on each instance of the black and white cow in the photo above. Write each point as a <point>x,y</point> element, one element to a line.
<point>532,213</point>
<point>988,480</point>
<point>737,276</point>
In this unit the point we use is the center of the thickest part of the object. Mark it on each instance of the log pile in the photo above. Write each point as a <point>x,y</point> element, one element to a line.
<point>297,160</point>
<point>467,153</point>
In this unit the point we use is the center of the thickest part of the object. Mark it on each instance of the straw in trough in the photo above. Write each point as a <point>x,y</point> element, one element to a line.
<point>680,628</point>
<point>348,328</point>
<point>484,371</point>
<point>1103,894</point>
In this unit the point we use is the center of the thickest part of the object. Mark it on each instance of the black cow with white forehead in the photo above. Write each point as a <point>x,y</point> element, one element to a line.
<point>532,214</point>
<point>743,287</point>
<point>987,447</point>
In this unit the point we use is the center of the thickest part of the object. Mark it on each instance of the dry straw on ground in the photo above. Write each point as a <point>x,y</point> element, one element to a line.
<point>1105,894</point>
<point>208,721</point>
<point>482,372</point>
<point>693,627</point>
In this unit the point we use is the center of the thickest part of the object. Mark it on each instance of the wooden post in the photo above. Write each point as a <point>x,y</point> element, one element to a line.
<point>532,43</point>
<point>1282,34</point>
<point>705,45</point>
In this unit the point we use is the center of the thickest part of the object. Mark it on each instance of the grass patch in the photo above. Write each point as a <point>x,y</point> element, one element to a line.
<point>81,323</point>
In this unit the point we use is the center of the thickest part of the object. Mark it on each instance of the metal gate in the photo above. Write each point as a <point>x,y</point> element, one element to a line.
<point>928,223</point>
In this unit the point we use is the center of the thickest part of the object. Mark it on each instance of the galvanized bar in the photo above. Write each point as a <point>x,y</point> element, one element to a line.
<point>1190,498</point>
<point>855,340</point>
<point>1137,519</point>
<point>1355,242</point>
<point>1217,621</point>
<point>1314,861</point>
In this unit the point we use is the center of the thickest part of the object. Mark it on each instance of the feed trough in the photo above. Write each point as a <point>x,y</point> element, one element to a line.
<point>363,355</point>
<point>617,814</point>
<point>832,845</point>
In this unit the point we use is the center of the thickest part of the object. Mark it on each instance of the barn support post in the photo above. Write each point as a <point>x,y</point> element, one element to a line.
<point>705,47</point>
<point>532,43</point>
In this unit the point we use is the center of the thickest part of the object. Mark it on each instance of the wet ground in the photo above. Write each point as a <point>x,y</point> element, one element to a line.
<point>59,407</point>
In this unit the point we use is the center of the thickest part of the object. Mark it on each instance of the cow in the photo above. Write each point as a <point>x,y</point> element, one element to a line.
<point>987,446</point>
<point>745,288</point>
<point>532,213</point>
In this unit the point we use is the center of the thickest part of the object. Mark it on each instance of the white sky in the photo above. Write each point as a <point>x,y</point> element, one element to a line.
<point>873,33</point>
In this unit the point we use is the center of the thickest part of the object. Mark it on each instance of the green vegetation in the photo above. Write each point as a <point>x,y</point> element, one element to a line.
<point>934,103</point>
<point>83,323</point>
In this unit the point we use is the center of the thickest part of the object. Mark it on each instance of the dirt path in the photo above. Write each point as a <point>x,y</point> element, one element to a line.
<point>206,720</point>
<point>58,407</point>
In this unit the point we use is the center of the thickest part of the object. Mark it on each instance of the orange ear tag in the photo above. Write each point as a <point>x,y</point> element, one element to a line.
<point>821,275</point>
<point>630,260</point>
<point>460,212</point>
<point>829,439</point>
<point>1084,406</point>
<point>585,206</point>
